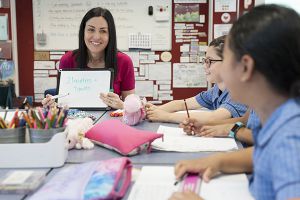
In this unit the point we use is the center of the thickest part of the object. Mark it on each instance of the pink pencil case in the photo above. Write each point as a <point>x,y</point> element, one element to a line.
<point>124,139</point>
<point>191,182</point>
<point>108,179</point>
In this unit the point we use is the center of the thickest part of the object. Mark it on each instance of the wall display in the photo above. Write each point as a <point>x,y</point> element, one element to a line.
<point>158,19</point>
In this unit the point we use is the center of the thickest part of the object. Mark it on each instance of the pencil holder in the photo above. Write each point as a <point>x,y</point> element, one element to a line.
<point>12,135</point>
<point>43,135</point>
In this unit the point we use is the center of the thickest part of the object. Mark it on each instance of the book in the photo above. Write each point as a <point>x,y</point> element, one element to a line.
<point>176,140</point>
<point>157,182</point>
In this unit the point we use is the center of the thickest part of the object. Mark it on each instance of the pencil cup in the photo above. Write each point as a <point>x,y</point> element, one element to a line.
<point>12,135</point>
<point>43,135</point>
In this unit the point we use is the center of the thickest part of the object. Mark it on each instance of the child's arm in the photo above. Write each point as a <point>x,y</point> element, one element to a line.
<point>232,162</point>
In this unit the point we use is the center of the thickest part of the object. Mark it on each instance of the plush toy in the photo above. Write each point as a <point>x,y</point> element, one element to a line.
<point>76,129</point>
<point>134,109</point>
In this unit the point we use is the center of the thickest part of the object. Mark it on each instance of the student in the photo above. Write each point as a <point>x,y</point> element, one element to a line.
<point>239,128</point>
<point>216,98</point>
<point>98,49</point>
<point>262,62</point>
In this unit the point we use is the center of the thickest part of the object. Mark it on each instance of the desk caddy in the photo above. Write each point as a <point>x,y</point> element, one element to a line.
<point>35,155</point>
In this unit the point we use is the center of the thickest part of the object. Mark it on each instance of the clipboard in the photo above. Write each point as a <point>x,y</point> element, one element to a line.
<point>84,87</point>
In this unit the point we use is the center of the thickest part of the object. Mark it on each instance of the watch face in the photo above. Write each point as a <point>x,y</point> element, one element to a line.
<point>235,128</point>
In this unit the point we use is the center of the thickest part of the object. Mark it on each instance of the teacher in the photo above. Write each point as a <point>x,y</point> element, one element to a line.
<point>98,49</point>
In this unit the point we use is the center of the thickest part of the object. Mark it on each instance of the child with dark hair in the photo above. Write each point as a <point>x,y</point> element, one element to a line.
<point>98,49</point>
<point>261,68</point>
<point>215,99</point>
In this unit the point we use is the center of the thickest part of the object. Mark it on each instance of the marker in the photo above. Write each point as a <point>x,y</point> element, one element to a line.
<point>59,96</point>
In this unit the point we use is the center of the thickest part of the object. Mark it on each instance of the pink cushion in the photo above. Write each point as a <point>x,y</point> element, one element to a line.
<point>126,140</point>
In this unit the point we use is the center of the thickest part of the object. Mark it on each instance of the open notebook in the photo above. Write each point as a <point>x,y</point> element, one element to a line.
<point>157,182</point>
<point>176,140</point>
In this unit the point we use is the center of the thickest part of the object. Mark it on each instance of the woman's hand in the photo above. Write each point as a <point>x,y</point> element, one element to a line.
<point>111,99</point>
<point>206,167</point>
<point>48,101</point>
<point>186,195</point>
<point>216,130</point>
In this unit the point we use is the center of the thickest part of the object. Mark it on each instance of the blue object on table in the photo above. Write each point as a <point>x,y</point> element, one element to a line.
<point>51,91</point>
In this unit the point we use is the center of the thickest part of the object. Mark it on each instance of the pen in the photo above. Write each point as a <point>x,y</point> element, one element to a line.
<point>180,179</point>
<point>59,96</point>
<point>187,111</point>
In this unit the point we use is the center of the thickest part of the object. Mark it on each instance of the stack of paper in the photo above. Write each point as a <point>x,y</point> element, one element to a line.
<point>157,182</point>
<point>176,140</point>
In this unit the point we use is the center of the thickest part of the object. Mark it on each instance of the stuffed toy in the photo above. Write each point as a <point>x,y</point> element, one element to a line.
<point>76,129</point>
<point>134,110</point>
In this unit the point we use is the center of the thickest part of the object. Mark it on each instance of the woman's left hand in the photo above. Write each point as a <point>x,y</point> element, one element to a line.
<point>111,99</point>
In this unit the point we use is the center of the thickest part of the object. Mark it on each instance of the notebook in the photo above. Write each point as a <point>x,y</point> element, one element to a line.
<point>176,140</point>
<point>157,182</point>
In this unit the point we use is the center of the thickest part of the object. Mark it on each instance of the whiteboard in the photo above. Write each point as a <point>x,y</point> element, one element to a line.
<point>84,88</point>
<point>56,22</point>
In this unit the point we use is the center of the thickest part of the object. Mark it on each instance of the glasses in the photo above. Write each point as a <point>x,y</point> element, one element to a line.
<point>208,61</point>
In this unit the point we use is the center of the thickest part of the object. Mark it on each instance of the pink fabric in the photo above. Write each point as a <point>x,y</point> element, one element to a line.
<point>125,78</point>
<point>120,137</point>
<point>134,110</point>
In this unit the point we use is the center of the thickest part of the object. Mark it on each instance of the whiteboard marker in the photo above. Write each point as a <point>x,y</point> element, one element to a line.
<point>60,96</point>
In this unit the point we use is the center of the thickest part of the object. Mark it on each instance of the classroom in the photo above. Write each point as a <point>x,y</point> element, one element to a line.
<point>149,99</point>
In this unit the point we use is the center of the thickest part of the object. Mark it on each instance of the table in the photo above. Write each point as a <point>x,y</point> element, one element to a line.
<point>100,153</point>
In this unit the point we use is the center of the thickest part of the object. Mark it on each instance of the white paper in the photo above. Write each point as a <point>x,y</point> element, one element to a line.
<point>160,71</point>
<point>55,57</point>
<point>184,59</point>
<point>44,65</point>
<point>225,5</point>
<point>3,27</point>
<point>185,48</point>
<point>154,183</point>
<point>142,70</point>
<point>135,57</point>
<point>176,140</point>
<point>188,75</point>
<point>165,87</point>
<point>155,91</point>
<point>144,88</point>
<point>202,19</point>
<point>221,29</point>
<point>157,182</point>
<point>139,40</point>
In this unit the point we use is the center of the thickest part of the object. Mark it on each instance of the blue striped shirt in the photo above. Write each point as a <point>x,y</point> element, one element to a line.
<point>214,98</point>
<point>253,121</point>
<point>276,155</point>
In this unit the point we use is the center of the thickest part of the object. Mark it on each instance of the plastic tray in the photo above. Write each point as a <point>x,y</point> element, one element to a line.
<point>35,155</point>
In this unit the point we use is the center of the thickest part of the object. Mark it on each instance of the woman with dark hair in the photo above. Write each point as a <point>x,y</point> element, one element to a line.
<point>98,49</point>
<point>261,68</point>
<point>215,99</point>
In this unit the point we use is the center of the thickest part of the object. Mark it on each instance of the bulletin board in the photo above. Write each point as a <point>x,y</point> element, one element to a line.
<point>56,22</point>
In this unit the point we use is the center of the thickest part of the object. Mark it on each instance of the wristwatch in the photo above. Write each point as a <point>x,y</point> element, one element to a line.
<point>235,129</point>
